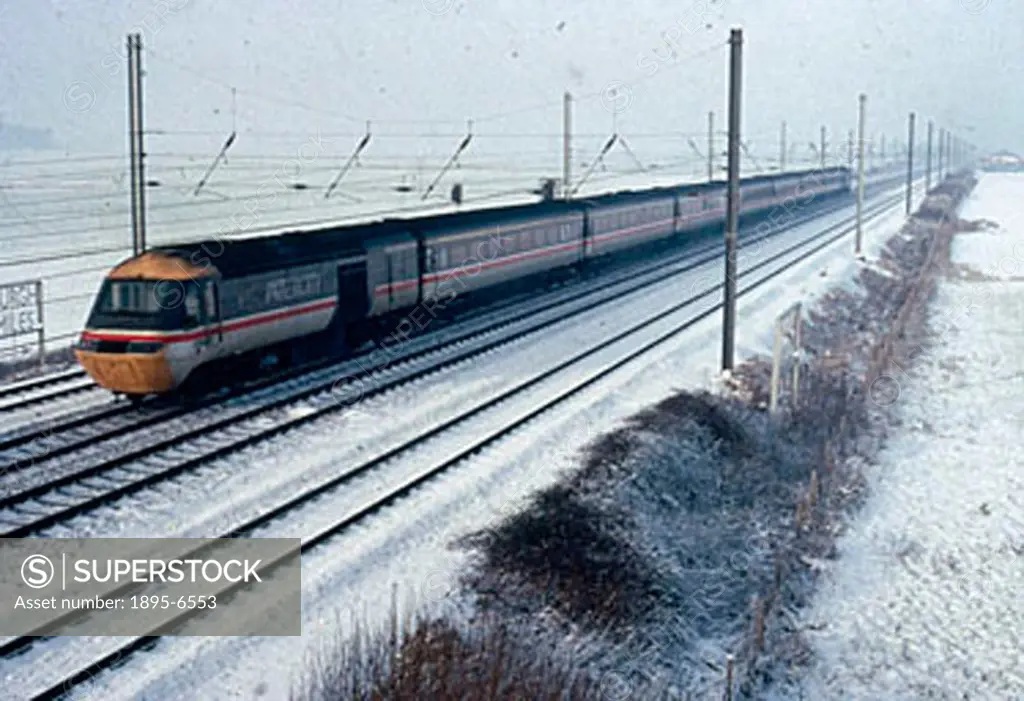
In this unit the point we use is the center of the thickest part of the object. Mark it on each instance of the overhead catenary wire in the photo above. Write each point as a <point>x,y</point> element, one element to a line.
<point>255,94</point>
<point>500,170</point>
<point>160,225</point>
<point>503,167</point>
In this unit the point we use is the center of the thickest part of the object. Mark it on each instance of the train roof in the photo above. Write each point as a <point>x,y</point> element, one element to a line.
<point>240,257</point>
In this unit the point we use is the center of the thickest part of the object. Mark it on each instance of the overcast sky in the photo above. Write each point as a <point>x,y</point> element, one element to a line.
<point>329,66</point>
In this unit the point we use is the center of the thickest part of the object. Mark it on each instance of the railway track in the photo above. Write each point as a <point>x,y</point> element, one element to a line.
<point>80,431</point>
<point>40,390</point>
<point>454,440</point>
<point>10,389</point>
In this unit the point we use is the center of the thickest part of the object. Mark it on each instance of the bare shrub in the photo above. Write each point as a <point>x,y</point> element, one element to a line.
<point>432,659</point>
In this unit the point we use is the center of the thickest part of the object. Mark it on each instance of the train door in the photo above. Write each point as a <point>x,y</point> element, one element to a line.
<point>392,273</point>
<point>211,298</point>
<point>389,263</point>
<point>353,303</point>
<point>403,273</point>
<point>201,317</point>
<point>432,262</point>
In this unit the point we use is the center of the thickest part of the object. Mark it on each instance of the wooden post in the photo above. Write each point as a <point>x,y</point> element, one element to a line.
<point>773,400</point>
<point>758,626</point>
<point>566,145</point>
<point>928,161</point>
<point>782,149</point>
<point>860,173</point>
<point>140,137</point>
<point>910,163</point>
<point>824,146</point>
<point>732,215</point>
<point>797,332</point>
<point>711,147</point>
<point>133,145</point>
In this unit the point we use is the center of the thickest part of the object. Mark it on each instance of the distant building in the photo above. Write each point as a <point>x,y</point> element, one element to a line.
<point>1003,162</point>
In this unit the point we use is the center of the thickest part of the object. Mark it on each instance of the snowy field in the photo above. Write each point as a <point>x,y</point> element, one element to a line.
<point>925,599</point>
<point>409,545</point>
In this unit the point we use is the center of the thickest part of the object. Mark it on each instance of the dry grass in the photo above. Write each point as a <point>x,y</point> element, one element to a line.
<point>432,659</point>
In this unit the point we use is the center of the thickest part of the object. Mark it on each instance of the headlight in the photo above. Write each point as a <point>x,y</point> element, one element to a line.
<point>138,347</point>
<point>87,345</point>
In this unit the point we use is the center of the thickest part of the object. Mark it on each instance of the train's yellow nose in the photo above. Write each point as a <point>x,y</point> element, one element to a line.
<point>128,373</point>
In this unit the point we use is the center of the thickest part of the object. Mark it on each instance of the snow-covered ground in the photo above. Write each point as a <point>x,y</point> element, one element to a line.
<point>408,544</point>
<point>925,601</point>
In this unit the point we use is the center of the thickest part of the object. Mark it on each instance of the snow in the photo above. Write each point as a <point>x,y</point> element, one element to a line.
<point>924,601</point>
<point>835,267</point>
<point>408,544</point>
<point>990,251</point>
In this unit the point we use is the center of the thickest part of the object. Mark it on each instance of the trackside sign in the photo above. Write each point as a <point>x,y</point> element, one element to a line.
<point>20,307</point>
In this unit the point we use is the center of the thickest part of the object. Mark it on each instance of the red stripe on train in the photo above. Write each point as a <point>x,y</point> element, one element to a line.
<point>450,273</point>
<point>196,335</point>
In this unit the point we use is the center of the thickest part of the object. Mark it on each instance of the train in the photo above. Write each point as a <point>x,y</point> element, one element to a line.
<point>183,319</point>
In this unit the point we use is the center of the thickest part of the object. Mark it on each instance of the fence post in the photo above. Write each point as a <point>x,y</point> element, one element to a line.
<point>797,328</point>
<point>728,678</point>
<point>776,360</point>
<point>758,626</point>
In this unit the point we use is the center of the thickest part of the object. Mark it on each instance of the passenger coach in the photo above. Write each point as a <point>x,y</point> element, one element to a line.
<point>196,315</point>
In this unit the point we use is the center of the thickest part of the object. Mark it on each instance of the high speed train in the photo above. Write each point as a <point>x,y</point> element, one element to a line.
<point>183,317</point>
